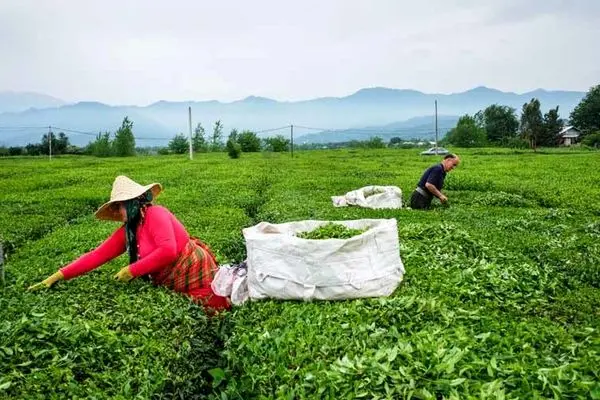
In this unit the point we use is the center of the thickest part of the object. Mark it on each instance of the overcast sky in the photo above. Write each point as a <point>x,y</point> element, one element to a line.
<point>138,52</point>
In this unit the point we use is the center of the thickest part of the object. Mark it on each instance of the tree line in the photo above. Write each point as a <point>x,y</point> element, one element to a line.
<point>60,145</point>
<point>499,125</point>
<point>122,143</point>
<point>237,142</point>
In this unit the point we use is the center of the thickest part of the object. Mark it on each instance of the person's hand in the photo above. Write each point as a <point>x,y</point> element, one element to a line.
<point>124,275</point>
<point>48,282</point>
<point>443,199</point>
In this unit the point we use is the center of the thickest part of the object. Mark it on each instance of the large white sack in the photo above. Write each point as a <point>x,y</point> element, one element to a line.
<point>371,197</point>
<point>283,266</point>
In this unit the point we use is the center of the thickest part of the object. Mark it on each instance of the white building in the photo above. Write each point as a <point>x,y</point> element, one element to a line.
<point>568,135</point>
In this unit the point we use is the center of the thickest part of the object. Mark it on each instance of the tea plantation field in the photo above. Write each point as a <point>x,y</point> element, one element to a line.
<point>501,297</point>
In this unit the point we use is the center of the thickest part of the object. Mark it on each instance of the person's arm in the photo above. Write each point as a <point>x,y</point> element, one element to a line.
<point>111,248</point>
<point>434,191</point>
<point>161,230</point>
<point>435,177</point>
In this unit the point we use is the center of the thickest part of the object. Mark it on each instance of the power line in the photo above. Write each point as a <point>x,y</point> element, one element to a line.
<point>149,138</point>
<point>8,128</point>
<point>309,128</point>
<point>74,131</point>
<point>377,133</point>
<point>272,129</point>
<point>372,130</point>
<point>78,132</point>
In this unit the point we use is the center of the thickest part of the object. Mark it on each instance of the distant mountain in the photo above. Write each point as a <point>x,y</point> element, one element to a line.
<point>370,109</point>
<point>414,128</point>
<point>88,118</point>
<point>21,101</point>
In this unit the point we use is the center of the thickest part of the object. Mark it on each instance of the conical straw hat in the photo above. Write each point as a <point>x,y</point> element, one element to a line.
<point>124,189</point>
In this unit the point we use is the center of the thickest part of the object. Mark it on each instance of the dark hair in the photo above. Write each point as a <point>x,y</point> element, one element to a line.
<point>449,156</point>
<point>134,209</point>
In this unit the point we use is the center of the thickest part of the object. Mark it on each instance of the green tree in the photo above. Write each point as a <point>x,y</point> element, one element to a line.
<point>234,135</point>
<point>234,149</point>
<point>395,141</point>
<point>552,126</point>
<point>277,144</point>
<point>249,141</point>
<point>15,151</point>
<point>217,136</point>
<point>592,139</point>
<point>479,119</point>
<point>33,149</point>
<point>45,143</point>
<point>374,142</point>
<point>124,142</point>
<point>199,140</point>
<point>466,133</point>
<point>532,123</point>
<point>179,144</point>
<point>500,123</point>
<point>61,145</point>
<point>102,146</point>
<point>586,116</point>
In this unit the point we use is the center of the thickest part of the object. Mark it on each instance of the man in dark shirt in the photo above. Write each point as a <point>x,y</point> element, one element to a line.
<point>432,182</point>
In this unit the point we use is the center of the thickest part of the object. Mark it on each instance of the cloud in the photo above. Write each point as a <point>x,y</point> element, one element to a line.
<point>139,51</point>
<point>514,11</point>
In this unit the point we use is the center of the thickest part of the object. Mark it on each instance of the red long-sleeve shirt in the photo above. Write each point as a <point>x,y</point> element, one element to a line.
<point>160,238</point>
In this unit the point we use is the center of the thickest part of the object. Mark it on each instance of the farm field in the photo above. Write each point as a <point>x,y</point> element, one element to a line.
<point>501,297</point>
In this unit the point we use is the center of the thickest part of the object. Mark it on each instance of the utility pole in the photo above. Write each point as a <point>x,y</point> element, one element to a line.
<point>190,123</point>
<point>436,127</point>
<point>292,139</point>
<point>50,143</point>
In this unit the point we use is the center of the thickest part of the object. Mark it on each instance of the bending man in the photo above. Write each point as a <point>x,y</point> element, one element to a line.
<point>432,182</point>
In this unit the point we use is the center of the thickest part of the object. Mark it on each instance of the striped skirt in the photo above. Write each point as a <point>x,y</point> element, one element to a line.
<point>192,273</point>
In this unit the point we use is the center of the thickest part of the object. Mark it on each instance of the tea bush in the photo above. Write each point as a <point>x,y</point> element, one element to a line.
<point>500,299</point>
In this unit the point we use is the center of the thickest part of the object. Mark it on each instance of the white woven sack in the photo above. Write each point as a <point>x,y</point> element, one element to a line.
<point>371,197</point>
<point>239,290</point>
<point>223,280</point>
<point>283,266</point>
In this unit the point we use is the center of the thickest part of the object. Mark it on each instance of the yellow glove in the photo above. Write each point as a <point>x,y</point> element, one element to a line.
<point>48,282</point>
<point>124,275</point>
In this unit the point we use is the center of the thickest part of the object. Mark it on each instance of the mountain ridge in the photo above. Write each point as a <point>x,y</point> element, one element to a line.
<point>367,107</point>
